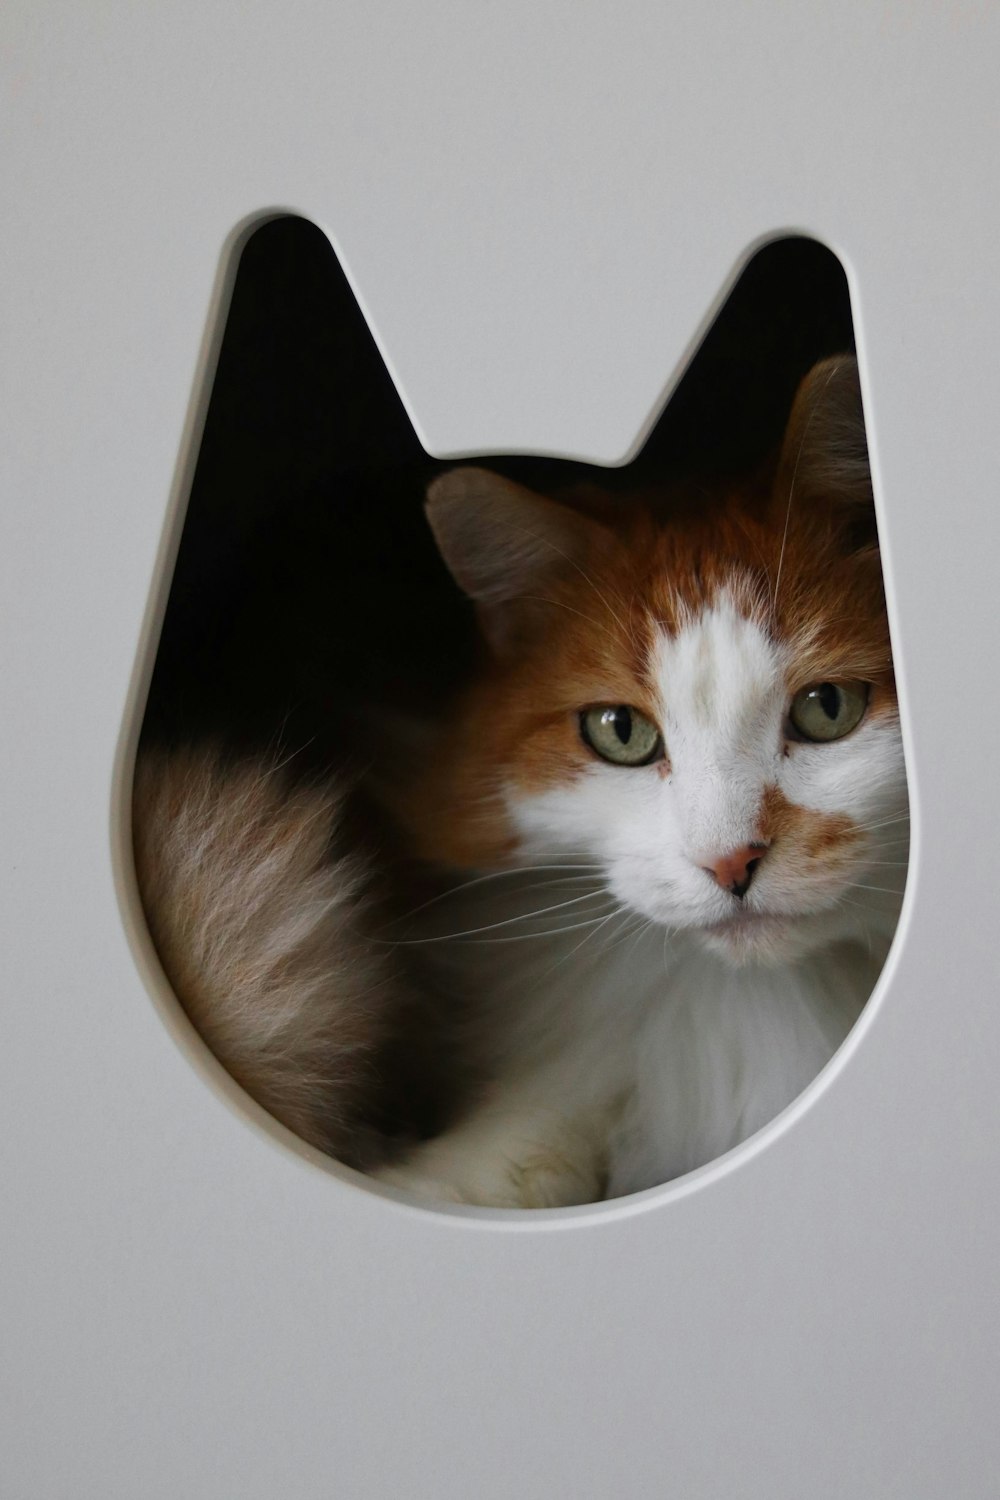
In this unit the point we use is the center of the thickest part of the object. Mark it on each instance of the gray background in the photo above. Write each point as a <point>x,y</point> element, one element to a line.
<point>191,1306</point>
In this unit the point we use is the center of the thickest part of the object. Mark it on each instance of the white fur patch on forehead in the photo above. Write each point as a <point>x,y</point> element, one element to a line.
<point>719,675</point>
<point>721,684</point>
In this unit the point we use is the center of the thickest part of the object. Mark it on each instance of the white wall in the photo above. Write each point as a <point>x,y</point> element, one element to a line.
<point>540,204</point>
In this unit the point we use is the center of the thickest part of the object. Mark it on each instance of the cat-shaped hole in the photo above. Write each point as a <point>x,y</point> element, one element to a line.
<point>520,832</point>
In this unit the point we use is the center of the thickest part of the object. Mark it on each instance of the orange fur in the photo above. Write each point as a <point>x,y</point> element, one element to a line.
<point>594,626</point>
<point>812,842</point>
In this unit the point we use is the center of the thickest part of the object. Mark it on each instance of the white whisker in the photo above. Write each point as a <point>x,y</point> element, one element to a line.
<point>584,575</point>
<point>617,912</point>
<point>527,916</point>
<point>466,885</point>
<point>521,937</point>
<point>858,885</point>
<point>884,823</point>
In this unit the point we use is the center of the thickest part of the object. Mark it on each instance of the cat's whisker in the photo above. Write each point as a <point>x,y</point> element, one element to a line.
<point>784,536</point>
<point>630,928</point>
<point>616,913</point>
<point>626,929</point>
<point>560,961</point>
<point>883,823</point>
<point>637,936</point>
<point>547,541</point>
<point>602,596</point>
<point>630,918</point>
<point>521,937</point>
<point>864,931</point>
<point>858,905</point>
<point>479,880</point>
<point>883,890</point>
<point>543,911</point>
<point>559,604</point>
<point>554,884</point>
<point>861,926</point>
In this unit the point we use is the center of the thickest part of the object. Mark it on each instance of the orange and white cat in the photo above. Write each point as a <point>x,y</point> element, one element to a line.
<point>669,814</point>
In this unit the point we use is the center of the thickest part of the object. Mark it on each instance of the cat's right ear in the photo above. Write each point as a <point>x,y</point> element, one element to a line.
<point>505,546</point>
<point>824,457</point>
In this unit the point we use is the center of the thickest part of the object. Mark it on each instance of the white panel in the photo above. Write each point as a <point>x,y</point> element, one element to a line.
<point>540,205</point>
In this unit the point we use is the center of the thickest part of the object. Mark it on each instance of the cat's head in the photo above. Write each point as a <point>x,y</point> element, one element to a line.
<point>695,694</point>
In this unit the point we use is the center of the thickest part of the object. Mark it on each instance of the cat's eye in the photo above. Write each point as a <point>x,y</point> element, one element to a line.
<point>621,734</point>
<point>826,711</point>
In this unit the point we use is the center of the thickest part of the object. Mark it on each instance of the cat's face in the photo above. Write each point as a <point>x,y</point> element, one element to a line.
<point>764,842</point>
<point>701,705</point>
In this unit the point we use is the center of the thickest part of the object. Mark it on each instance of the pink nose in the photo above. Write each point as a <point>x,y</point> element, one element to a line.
<point>735,870</point>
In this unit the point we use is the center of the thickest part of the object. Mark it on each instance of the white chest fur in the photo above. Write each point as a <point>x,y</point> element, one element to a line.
<point>620,1055</point>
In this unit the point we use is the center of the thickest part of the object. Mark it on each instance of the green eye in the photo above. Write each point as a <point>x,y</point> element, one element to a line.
<point>622,735</point>
<point>826,711</point>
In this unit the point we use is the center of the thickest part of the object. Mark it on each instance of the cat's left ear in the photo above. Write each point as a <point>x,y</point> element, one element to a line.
<point>505,546</point>
<point>824,456</point>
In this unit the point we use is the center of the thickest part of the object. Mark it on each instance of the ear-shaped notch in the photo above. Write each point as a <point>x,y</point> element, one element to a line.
<point>505,547</point>
<point>824,456</point>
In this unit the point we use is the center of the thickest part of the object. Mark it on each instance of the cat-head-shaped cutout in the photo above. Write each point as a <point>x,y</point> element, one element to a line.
<point>672,689</point>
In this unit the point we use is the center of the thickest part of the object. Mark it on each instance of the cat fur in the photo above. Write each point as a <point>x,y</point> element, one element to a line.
<point>622,1019</point>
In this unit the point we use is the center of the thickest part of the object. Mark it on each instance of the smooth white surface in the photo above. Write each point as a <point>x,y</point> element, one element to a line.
<point>540,204</point>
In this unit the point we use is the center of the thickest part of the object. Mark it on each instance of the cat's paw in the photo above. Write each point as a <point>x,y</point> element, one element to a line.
<point>539,1178</point>
<point>419,1185</point>
<point>554,1178</point>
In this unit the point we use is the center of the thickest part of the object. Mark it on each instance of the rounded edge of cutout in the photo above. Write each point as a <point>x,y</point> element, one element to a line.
<point>177,1024</point>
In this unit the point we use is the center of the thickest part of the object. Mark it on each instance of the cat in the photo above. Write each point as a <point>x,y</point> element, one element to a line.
<point>665,829</point>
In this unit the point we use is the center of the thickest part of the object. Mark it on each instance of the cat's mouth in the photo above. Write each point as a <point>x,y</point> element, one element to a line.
<point>748,936</point>
<point>749,921</point>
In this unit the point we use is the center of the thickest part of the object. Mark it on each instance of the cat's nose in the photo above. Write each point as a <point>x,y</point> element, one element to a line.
<point>735,870</point>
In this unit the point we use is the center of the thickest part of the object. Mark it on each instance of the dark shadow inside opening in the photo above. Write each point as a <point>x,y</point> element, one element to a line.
<point>305,529</point>
<point>309,594</point>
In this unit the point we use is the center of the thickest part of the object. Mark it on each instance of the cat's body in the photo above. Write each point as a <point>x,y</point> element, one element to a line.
<point>267,907</point>
<point>667,819</point>
<point>621,1060</point>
